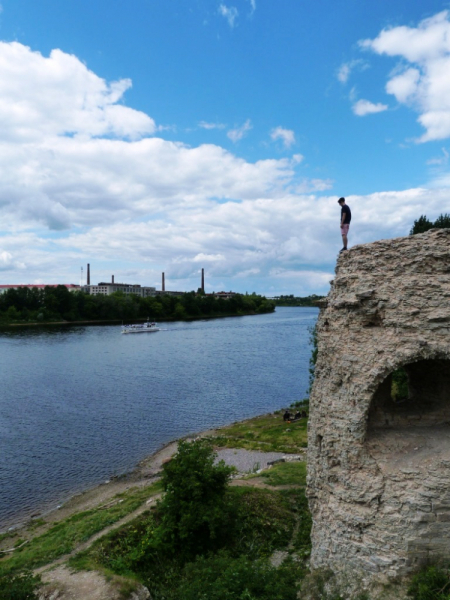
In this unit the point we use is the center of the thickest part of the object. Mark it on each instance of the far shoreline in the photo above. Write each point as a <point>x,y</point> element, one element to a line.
<point>137,320</point>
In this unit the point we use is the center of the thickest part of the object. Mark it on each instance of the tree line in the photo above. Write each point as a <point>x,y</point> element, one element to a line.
<point>423,224</point>
<point>292,300</point>
<point>50,304</point>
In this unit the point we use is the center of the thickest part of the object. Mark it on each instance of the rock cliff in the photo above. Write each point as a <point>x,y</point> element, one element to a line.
<point>379,469</point>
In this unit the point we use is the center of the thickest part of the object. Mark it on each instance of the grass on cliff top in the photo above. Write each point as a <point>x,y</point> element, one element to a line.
<point>284,473</point>
<point>63,537</point>
<point>268,433</point>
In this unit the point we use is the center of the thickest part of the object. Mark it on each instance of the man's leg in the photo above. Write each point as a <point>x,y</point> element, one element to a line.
<point>344,232</point>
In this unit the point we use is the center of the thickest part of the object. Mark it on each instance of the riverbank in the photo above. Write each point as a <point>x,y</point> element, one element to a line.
<point>259,439</point>
<point>120,321</point>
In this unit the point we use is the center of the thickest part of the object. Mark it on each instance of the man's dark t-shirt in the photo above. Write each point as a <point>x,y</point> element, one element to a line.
<point>348,214</point>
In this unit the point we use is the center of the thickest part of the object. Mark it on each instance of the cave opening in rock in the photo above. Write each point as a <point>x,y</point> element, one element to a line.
<point>416,395</point>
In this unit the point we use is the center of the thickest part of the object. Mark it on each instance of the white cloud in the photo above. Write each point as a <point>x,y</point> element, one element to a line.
<point>230,13</point>
<point>345,70</point>
<point>58,95</point>
<point>424,84</point>
<point>237,134</point>
<point>404,86</point>
<point>206,125</point>
<point>365,107</point>
<point>286,135</point>
<point>135,206</point>
<point>253,5</point>
<point>441,160</point>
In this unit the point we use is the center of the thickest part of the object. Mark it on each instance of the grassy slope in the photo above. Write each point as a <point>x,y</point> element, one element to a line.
<point>268,433</point>
<point>64,537</point>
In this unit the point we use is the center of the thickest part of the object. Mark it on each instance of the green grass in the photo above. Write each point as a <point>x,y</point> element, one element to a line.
<point>63,537</point>
<point>285,473</point>
<point>268,433</point>
<point>264,521</point>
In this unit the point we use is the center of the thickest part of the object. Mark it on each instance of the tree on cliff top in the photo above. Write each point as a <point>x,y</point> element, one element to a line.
<point>423,224</point>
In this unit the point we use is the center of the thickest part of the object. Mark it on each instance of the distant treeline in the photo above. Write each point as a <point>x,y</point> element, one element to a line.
<point>297,300</point>
<point>423,224</point>
<point>35,305</point>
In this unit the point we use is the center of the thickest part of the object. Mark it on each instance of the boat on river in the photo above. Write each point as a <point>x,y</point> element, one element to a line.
<point>147,327</point>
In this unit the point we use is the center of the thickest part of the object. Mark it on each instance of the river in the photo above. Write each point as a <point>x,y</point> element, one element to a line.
<point>80,404</point>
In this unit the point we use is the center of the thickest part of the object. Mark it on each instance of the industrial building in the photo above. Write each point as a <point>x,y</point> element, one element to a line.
<point>106,289</point>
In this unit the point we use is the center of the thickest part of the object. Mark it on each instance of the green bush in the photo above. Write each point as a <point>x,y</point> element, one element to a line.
<point>432,583</point>
<point>222,577</point>
<point>194,511</point>
<point>399,387</point>
<point>19,587</point>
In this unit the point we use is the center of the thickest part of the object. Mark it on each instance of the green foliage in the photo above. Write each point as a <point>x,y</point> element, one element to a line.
<point>221,576</point>
<point>263,521</point>
<point>58,304</point>
<point>399,386</point>
<point>314,353</point>
<point>63,537</point>
<point>292,300</point>
<point>432,583</point>
<point>22,586</point>
<point>423,224</point>
<point>194,510</point>
<point>302,542</point>
<point>442,222</point>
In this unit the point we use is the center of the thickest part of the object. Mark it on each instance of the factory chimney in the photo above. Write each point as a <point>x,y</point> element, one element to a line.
<point>112,279</point>
<point>88,275</point>
<point>163,283</point>
<point>203,280</point>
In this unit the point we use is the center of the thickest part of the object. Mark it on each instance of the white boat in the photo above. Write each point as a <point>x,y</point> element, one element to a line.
<point>140,328</point>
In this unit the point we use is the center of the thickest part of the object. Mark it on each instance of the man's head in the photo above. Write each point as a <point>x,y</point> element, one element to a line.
<point>341,201</point>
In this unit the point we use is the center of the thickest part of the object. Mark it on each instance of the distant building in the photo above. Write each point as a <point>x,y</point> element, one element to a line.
<point>167,293</point>
<point>40,286</point>
<point>223,295</point>
<point>106,289</point>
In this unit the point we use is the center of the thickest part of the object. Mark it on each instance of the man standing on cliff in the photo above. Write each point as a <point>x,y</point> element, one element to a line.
<point>346,217</point>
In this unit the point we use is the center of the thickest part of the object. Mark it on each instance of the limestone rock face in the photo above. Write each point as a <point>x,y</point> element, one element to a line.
<point>379,466</point>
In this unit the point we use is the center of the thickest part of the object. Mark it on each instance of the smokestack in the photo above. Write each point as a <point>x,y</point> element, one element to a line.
<point>163,283</point>
<point>203,280</point>
<point>112,279</point>
<point>88,276</point>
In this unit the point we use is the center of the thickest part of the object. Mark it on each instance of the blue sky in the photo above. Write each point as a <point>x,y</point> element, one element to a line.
<point>169,135</point>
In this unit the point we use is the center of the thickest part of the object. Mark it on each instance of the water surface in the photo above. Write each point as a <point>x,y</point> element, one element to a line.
<point>80,404</point>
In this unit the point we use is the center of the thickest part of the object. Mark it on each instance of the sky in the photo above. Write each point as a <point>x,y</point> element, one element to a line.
<point>150,136</point>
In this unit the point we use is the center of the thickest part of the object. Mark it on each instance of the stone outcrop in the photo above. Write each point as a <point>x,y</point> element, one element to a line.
<point>379,469</point>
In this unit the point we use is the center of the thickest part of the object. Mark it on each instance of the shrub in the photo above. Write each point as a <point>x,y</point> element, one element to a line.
<point>22,586</point>
<point>432,583</point>
<point>220,576</point>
